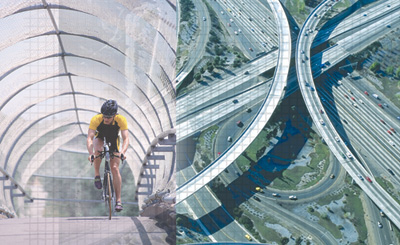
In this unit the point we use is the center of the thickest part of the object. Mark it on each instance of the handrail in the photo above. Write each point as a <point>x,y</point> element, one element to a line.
<point>15,185</point>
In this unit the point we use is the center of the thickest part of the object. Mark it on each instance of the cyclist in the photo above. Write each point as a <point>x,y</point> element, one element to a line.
<point>108,124</point>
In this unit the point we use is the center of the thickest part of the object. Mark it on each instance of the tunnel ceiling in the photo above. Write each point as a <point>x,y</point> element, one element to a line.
<point>60,60</point>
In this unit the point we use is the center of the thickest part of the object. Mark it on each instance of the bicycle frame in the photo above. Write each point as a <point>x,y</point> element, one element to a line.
<point>108,188</point>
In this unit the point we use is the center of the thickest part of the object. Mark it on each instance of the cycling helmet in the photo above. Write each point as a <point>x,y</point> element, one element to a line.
<point>109,108</point>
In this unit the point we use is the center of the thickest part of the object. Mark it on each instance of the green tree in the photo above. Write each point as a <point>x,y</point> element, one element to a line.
<point>210,68</point>
<point>324,216</point>
<point>197,76</point>
<point>375,66</point>
<point>298,241</point>
<point>398,72</point>
<point>218,50</point>
<point>284,240</point>
<point>237,62</point>
<point>389,70</point>
<point>202,70</point>
<point>217,61</point>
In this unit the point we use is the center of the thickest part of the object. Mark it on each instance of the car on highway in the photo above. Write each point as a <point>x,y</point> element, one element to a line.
<point>251,49</point>
<point>239,30</point>
<point>353,98</point>
<point>343,155</point>
<point>302,51</point>
<point>236,33</point>
<point>368,179</point>
<point>385,105</point>
<point>256,198</point>
<point>228,24</point>
<point>392,129</point>
<point>293,197</point>
<point>389,132</point>
<point>380,105</point>
<point>339,82</point>
<point>346,96</point>
<point>348,154</point>
<point>222,12</point>
<point>235,101</point>
<point>259,189</point>
<point>381,213</point>
<point>365,14</point>
<point>355,105</point>
<point>239,123</point>
<point>398,118</point>
<point>321,111</point>
<point>231,20</point>
<point>365,92</point>
<point>390,171</point>
<point>250,19</point>
<point>337,139</point>
<point>312,89</point>
<point>382,121</point>
<point>350,91</point>
<point>229,139</point>
<point>246,72</point>
<point>332,176</point>
<point>380,224</point>
<point>361,178</point>
<point>391,143</point>
<point>322,122</point>
<point>275,195</point>
<point>248,237</point>
<point>362,102</point>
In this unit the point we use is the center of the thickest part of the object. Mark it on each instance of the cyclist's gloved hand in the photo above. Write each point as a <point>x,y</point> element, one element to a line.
<point>91,158</point>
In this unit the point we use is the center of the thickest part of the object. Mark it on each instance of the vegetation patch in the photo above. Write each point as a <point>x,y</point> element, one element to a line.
<point>204,148</point>
<point>386,185</point>
<point>291,177</point>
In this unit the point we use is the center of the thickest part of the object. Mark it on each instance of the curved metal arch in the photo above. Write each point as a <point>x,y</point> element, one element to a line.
<point>163,100</point>
<point>42,80</point>
<point>38,120</point>
<point>78,93</point>
<point>94,78</point>
<point>111,23</point>
<point>142,92</point>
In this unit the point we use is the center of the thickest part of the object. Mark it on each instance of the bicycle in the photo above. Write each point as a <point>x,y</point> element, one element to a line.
<point>108,187</point>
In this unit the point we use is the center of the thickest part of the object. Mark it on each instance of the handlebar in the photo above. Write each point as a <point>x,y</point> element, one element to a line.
<point>105,151</point>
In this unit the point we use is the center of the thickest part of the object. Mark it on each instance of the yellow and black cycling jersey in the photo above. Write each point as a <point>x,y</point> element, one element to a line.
<point>111,131</point>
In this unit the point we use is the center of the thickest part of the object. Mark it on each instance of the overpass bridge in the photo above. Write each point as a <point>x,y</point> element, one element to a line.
<point>327,130</point>
<point>272,99</point>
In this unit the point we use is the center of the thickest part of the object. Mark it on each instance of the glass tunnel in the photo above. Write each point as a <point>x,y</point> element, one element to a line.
<point>59,62</point>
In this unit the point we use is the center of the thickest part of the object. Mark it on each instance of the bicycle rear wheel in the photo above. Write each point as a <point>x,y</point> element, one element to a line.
<point>109,196</point>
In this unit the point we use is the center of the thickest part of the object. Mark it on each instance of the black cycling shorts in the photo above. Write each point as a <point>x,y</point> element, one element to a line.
<point>114,147</point>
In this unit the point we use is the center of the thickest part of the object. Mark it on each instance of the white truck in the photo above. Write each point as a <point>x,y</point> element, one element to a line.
<point>375,96</point>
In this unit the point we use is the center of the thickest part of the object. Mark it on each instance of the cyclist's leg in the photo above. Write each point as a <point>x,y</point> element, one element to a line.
<point>98,147</point>
<point>116,177</point>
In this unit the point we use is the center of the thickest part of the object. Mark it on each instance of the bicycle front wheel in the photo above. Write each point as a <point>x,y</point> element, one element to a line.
<point>109,196</point>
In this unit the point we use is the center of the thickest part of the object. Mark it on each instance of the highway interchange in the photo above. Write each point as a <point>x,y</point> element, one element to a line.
<point>377,143</point>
